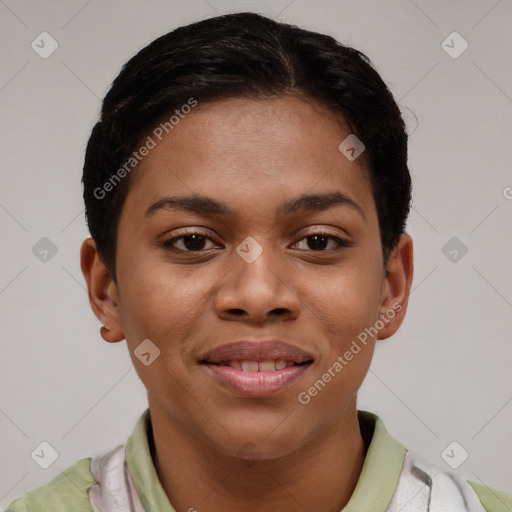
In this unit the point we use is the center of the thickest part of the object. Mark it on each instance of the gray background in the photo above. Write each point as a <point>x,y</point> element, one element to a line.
<point>444,377</point>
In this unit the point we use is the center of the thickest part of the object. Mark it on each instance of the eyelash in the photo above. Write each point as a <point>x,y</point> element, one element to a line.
<point>340,242</point>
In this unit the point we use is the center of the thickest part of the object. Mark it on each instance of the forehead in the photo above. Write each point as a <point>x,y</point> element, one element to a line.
<point>262,149</point>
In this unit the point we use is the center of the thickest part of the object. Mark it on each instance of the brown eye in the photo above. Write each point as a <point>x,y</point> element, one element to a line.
<point>189,242</point>
<point>320,241</point>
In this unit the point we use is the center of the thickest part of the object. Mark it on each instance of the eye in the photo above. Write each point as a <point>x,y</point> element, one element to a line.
<point>196,241</point>
<point>320,241</point>
<point>192,241</point>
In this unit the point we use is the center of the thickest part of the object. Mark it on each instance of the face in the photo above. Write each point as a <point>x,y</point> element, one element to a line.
<point>245,265</point>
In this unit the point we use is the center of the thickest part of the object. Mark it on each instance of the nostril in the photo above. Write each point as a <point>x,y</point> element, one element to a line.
<point>236,312</point>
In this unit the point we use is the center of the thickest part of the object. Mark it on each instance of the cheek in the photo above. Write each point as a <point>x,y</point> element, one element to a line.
<point>346,299</point>
<point>156,306</point>
<point>164,304</point>
<point>346,308</point>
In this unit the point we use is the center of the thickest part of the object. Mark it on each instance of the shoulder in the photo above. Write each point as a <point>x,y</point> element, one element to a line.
<point>67,491</point>
<point>422,486</point>
<point>492,499</point>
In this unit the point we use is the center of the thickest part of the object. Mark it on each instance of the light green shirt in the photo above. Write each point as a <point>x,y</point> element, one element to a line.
<point>69,491</point>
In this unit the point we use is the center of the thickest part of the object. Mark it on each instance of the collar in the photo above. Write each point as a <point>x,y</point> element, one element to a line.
<point>374,490</point>
<point>381,467</point>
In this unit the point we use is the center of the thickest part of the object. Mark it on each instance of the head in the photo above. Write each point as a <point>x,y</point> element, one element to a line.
<point>280,236</point>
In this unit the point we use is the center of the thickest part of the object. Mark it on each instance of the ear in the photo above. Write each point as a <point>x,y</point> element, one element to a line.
<point>396,287</point>
<point>102,290</point>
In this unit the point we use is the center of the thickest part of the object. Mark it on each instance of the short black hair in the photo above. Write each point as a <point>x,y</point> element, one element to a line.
<point>244,55</point>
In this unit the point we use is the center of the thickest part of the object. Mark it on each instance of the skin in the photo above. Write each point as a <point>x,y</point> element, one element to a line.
<point>253,155</point>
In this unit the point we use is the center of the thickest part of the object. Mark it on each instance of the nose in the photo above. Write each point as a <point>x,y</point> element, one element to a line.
<point>258,291</point>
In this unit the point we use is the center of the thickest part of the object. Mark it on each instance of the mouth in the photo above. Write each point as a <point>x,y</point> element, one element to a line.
<point>258,366</point>
<point>256,369</point>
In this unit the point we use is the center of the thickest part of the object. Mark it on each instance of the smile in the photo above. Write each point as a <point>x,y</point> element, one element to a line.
<point>259,366</point>
<point>256,369</point>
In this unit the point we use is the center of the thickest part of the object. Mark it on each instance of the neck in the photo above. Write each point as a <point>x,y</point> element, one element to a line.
<point>319,475</point>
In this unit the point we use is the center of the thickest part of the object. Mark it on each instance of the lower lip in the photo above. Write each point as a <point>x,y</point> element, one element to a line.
<point>256,384</point>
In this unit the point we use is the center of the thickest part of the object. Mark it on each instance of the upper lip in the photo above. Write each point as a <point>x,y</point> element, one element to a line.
<point>246,350</point>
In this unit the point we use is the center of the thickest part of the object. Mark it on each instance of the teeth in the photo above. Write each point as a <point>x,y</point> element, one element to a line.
<point>267,366</point>
<point>280,364</point>
<point>250,366</point>
<point>261,366</point>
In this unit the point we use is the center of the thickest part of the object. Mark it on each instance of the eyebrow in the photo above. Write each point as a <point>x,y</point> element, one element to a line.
<point>205,205</point>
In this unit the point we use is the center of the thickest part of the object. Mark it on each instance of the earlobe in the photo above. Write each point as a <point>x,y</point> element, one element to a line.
<point>108,335</point>
<point>102,292</point>
<point>396,287</point>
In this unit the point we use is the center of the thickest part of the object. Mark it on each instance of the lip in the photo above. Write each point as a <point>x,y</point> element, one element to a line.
<point>247,350</point>
<point>256,383</point>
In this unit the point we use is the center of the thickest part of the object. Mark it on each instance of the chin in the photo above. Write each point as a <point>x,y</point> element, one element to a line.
<point>260,443</point>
